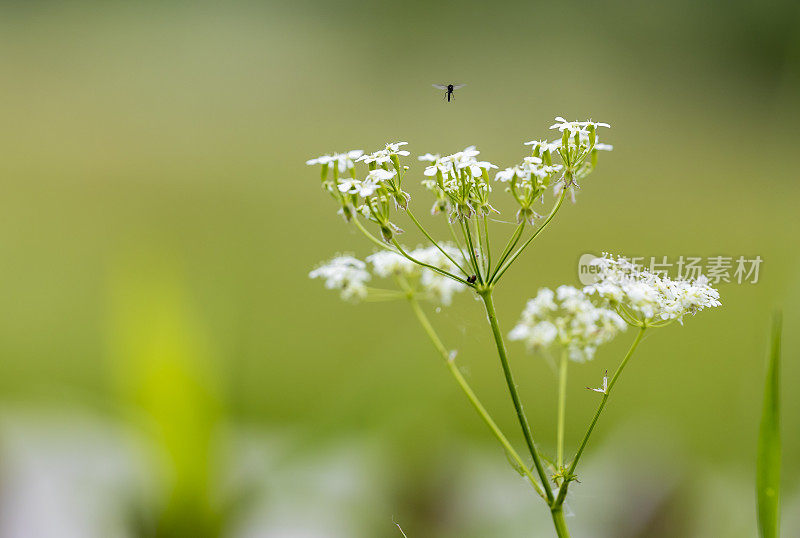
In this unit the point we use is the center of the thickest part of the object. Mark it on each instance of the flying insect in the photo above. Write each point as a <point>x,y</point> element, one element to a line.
<point>449,90</point>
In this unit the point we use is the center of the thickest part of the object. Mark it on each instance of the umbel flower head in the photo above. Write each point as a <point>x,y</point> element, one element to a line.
<point>346,274</point>
<point>647,299</point>
<point>349,274</point>
<point>566,318</point>
<point>460,181</point>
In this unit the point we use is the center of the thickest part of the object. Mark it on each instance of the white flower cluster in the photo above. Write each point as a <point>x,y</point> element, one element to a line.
<point>342,161</point>
<point>460,182</point>
<point>384,156</point>
<point>644,297</point>
<point>566,318</point>
<point>372,195</point>
<point>346,274</point>
<point>350,274</point>
<point>576,149</point>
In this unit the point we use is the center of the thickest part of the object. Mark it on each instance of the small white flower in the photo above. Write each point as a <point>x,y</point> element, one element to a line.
<point>476,168</point>
<point>571,126</point>
<point>429,157</point>
<point>541,145</point>
<point>379,174</point>
<point>394,147</point>
<point>379,157</point>
<point>508,174</point>
<point>576,127</point>
<point>323,159</point>
<point>595,124</point>
<point>344,161</point>
<point>367,188</point>
<point>349,185</point>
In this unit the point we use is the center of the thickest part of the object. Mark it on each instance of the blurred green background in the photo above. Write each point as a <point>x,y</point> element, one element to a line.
<point>167,368</point>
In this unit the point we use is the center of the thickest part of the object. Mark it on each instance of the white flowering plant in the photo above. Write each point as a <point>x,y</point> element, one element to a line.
<point>370,192</point>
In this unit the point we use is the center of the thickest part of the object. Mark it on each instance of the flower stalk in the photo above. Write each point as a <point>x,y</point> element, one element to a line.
<point>486,296</point>
<point>575,321</point>
<point>562,492</point>
<point>449,360</point>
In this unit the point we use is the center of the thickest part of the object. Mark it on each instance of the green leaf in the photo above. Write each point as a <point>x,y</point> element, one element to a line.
<point>768,464</point>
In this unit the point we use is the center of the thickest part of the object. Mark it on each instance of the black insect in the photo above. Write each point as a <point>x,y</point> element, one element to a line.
<point>472,279</point>
<point>449,90</point>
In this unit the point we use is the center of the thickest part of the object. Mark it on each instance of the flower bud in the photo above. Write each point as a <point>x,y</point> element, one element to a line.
<point>395,162</point>
<point>464,211</point>
<point>401,198</point>
<point>527,214</point>
<point>439,206</point>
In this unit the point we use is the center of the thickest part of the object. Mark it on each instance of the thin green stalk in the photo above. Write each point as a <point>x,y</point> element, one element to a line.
<point>488,247</point>
<point>456,240</point>
<point>480,243</point>
<point>432,240</point>
<point>486,295</point>
<point>471,246</point>
<point>431,267</point>
<point>371,237</point>
<point>562,408</point>
<point>473,399</point>
<point>558,521</point>
<point>512,242</point>
<point>500,270</point>
<point>562,492</point>
<point>399,250</point>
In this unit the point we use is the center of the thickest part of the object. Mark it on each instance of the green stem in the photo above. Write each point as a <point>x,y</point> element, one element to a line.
<point>429,266</point>
<point>562,492</point>
<point>486,295</point>
<point>372,237</point>
<point>399,250</point>
<point>558,521</point>
<point>488,247</point>
<point>473,399</point>
<point>500,270</point>
<point>480,243</point>
<point>512,242</point>
<point>432,240</point>
<point>471,246</point>
<point>562,408</point>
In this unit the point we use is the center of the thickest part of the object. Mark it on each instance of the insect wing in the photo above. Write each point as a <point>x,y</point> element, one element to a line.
<point>457,86</point>
<point>440,86</point>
